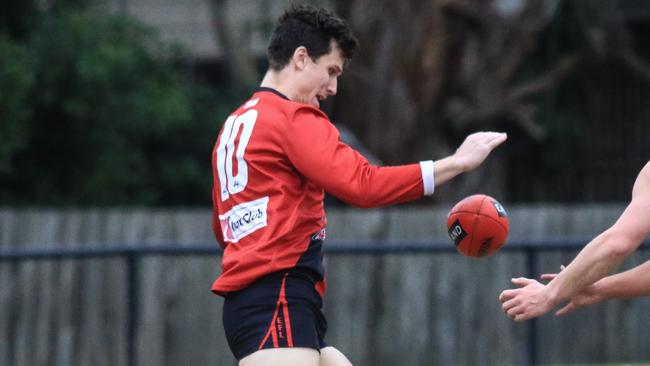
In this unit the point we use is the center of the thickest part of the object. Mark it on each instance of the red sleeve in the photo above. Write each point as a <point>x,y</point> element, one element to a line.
<point>314,148</point>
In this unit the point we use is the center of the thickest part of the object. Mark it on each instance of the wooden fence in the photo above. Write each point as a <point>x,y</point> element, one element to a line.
<point>407,309</point>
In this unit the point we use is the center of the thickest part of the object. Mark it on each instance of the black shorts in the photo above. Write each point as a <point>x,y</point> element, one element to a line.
<point>280,310</point>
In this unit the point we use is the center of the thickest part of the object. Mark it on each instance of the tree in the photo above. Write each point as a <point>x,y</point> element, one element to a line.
<point>17,78</point>
<point>432,71</point>
<point>436,70</point>
<point>105,114</point>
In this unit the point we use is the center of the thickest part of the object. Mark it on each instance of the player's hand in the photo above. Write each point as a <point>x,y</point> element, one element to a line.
<point>528,301</point>
<point>588,296</point>
<point>476,148</point>
<point>551,276</point>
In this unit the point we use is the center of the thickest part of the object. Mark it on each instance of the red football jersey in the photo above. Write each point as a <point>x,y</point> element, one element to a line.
<point>272,162</point>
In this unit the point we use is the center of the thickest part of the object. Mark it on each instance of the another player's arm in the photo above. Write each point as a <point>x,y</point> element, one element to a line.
<point>610,248</point>
<point>595,260</point>
<point>624,285</point>
<point>634,282</point>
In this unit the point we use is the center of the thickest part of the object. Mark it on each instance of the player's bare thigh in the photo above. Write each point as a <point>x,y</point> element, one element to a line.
<point>282,357</point>
<point>329,356</point>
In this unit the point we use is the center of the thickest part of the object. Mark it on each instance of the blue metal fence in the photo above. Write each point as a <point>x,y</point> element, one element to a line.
<point>132,253</point>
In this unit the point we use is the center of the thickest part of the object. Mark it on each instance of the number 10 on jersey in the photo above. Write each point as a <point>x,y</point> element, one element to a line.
<point>230,183</point>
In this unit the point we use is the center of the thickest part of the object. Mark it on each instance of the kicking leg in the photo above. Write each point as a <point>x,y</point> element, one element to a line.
<point>282,357</point>
<point>330,356</point>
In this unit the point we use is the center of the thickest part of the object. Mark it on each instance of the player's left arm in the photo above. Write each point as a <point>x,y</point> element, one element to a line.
<point>314,148</point>
<point>468,156</point>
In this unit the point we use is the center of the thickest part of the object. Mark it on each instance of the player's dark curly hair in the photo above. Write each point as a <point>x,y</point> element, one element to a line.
<point>311,27</point>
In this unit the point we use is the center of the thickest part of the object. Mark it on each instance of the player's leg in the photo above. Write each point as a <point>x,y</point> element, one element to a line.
<point>330,356</point>
<point>282,357</point>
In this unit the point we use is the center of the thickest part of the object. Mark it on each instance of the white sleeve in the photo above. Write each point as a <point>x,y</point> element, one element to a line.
<point>428,179</point>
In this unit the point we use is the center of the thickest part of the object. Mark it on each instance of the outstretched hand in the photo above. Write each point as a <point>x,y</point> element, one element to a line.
<point>528,301</point>
<point>476,148</point>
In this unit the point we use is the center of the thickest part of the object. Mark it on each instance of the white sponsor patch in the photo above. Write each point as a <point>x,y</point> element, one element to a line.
<point>244,219</point>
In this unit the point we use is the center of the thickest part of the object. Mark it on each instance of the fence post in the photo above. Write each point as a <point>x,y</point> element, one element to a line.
<point>531,331</point>
<point>132,286</point>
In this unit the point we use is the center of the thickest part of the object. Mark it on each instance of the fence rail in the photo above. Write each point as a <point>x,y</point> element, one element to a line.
<point>376,247</point>
<point>132,253</point>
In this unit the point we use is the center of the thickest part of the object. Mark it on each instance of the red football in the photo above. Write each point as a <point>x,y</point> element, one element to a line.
<point>478,225</point>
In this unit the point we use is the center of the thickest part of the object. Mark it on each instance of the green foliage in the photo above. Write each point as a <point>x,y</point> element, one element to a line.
<point>16,81</point>
<point>112,118</point>
<point>17,17</point>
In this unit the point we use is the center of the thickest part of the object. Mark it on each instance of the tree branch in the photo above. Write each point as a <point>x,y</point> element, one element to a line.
<point>239,62</point>
<point>543,83</point>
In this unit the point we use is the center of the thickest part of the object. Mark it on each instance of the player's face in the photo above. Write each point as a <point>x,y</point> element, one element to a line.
<point>321,77</point>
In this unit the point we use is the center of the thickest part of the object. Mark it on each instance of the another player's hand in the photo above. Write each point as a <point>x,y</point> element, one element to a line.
<point>551,276</point>
<point>476,147</point>
<point>584,298</point>
<point>528,301</point>
<point>589,296</point>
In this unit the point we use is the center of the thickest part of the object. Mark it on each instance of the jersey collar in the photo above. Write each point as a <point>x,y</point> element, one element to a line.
<point>267,89</point>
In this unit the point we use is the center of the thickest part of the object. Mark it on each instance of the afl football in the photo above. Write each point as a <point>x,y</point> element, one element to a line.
<point>478,225</point>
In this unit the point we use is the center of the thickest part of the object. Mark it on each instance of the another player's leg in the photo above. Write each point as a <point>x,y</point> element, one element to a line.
<point>330,356</point>
<point>283,357</point>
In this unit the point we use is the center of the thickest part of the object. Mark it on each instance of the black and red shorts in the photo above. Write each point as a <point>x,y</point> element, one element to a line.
<point>279,310</point>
